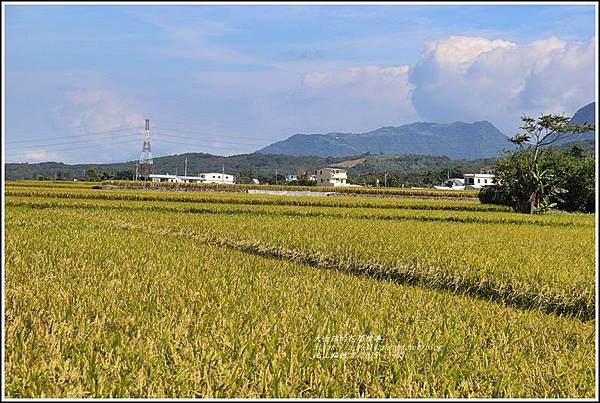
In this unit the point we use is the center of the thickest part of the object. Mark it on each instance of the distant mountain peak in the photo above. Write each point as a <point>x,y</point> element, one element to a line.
<point>456,140</point>
<point>585,114</point>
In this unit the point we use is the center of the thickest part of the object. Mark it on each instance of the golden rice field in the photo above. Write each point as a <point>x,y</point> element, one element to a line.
<point>148,293</point>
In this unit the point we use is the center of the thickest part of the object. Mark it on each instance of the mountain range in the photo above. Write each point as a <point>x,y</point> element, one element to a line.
<point>456,140</point>
<point>409,149</point>
<point>585,115</point>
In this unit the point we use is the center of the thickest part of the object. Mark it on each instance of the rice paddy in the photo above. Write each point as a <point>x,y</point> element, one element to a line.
<point>148,293</point>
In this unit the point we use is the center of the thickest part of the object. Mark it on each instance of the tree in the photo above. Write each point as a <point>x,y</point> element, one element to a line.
<point>91,175</point>
<point>124,175</point>
<point>537,135</point>
<point>576,151</point>
<point>578,178</point>
<point>62,176</point>
<point>105,176</point>
<point>569,181</point>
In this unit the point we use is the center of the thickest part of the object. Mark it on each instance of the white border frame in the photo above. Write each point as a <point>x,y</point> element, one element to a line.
<point>283,3</point>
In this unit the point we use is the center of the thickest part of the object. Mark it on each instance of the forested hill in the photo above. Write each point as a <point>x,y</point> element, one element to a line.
<point>456,140</point>
<point>249,166</point>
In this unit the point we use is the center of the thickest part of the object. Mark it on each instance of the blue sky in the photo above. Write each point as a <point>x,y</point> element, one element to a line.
<point>231,79</point>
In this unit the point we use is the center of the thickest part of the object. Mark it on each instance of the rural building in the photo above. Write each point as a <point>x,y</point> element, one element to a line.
<point>331,177</point>
<point>165,178</point>
<point>300,175</point>
<point>210,177</point>
<point>452,184</point>
<point>477,181</point>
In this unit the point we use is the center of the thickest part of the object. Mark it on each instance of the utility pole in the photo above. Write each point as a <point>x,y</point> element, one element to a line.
<point>223,175</point>
<point>185,172</point>
<point>276,177</point>
<point>385,179</point>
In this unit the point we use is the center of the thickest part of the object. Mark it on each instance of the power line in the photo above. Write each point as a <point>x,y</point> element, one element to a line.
<point>159,129</point>
<point>210,134</point>
<point>76,148</point>
<point>197,145</point>
<point>111,135</point>
<point>75,141</point>
<point>162,132</point>
<point>74,135</point>
<point>123,141</point>
<point>198,123</point>
<point>217,139</point>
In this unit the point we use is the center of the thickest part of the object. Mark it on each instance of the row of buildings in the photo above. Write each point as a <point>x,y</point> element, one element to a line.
<point>339,177</point>
<point>329,176</point>
<point>209,177</point>
<point>323,177</point>
<point>468,181</point>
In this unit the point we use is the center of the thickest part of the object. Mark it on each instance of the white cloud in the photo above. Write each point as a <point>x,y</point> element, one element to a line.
<point>38,155</point>
<point>353,99</point>
<point>458,78</point>
<point>105,123</point>
<point>562,81</point>
<point>472,78</point>
<point>459,52</point>
<point>365,74</point>
<point>188,36</point>
<point>55,114</point>
<point>98,109</point>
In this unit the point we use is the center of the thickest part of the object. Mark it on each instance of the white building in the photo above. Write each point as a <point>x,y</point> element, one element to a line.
<point>452,184</point>
<point>477,181</point>
<point>216,177</point>
<point>331,177</point>
<point>210,177</point>
<point>165,178</point>
<point>291,177</point>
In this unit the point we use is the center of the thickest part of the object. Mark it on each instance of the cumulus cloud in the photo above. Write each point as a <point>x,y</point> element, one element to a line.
<point>457,78</point>
<point>353,99</point>
<point>562,81</point>
<point>105,121</point>
<point>472,78</point>
<point>458,53</point>
<point>98,109</point>
<point>38,155</point>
